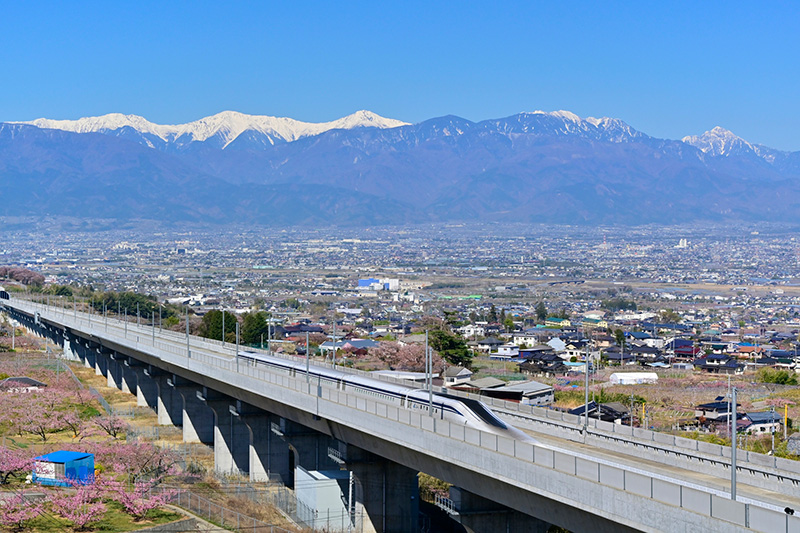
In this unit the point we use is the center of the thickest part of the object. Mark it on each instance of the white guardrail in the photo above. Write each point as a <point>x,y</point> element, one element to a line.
<point>709,502</point>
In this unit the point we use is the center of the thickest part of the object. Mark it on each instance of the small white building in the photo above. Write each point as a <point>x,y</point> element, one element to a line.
<point>506,351</point>
<point>472,330</point>
<point>456,375</point>
<point>632,378</point>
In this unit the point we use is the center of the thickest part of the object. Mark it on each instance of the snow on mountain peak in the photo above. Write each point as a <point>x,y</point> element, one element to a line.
<point>568,116</point>
<point>227,125</point>
<point>719,141</point>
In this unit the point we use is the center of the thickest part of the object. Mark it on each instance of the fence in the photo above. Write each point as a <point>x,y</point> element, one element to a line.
<point>218,514</point>
<point>284,499</point>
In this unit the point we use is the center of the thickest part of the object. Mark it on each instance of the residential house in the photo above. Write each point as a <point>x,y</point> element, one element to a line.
<point>556,322</point>
<point>526,393</point>
<point>456,375</point>
<point>472,331</point>
<point>489,344</point>
<point>480,385</point>
<point>716,410</point>
<point>524,338</point>
<point>763,422</point>
<point>544,367</point>
<point>592,323</point>
<point>21,384</point>
<point>506,351</point>
<point>608,412</point>
<point>718,364</point>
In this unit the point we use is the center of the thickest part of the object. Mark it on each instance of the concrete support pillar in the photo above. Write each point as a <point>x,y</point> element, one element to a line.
<point>70,348</point>
<point>385,494</point>
<point>169,403</point>
<point>197,418</point>
<point>231,434</point>
<point>128,374</point>
<point>113,369</point>
<point>309,447</point>
<point>275,449</point>
<point>479,515</point>
<point>258,425</point>
<point>89,357</point>
<point>101,363</point>
<point>146,387</point>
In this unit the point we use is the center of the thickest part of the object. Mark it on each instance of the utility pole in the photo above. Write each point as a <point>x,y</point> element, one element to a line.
<point>308,351</point>
<point>632,410</point>
<point>733,445</point>
<point>223,327</point>
<point>729,402</point>
<point>772,428</point>
<point>138,316</point>
<point>586,387</point>
<point>429,374</point>
<point>237,346</point>
<point>188,348</point>
<point>334,338</point>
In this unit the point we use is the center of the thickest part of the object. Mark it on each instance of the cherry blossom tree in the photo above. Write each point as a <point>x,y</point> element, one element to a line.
<point>40,420</point>
<point>138,498</point>
<point>13,461</point>
<point>82,506</point>
<point>72,421</point>
<point>17,510</point>
<point>113,425</point>
<point>399,356</point>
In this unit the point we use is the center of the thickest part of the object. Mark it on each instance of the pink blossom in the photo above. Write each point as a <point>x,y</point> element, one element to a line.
<point>138,498</point>
<point>82,507</point>
<point>17,510</point>
<point>13,461</point>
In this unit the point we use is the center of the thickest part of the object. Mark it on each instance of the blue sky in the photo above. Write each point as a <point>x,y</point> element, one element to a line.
<point>668,69</point>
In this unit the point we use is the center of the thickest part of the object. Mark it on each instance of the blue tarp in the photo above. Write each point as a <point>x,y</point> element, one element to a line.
<point>64,468</point>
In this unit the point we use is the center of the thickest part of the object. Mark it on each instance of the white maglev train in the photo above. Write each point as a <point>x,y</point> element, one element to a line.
<point>472,413</point>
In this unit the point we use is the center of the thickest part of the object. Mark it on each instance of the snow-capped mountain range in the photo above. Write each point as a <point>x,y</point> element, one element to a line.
<point>224,128</point>
<point>539,166</point>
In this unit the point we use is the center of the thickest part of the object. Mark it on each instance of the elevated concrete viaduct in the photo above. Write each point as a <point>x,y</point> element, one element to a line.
<point>266,423</point>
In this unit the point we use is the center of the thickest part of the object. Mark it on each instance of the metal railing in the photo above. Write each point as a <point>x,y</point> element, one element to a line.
<point>445,504</point>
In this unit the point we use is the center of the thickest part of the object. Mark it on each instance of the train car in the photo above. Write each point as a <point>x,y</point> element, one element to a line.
<point>467,411</point>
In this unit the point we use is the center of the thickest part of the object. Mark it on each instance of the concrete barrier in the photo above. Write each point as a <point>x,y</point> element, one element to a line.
<point>728,510</point>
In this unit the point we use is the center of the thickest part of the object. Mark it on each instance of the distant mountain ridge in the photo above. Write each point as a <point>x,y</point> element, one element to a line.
<point>221,129</point>
<point>365,169</point>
